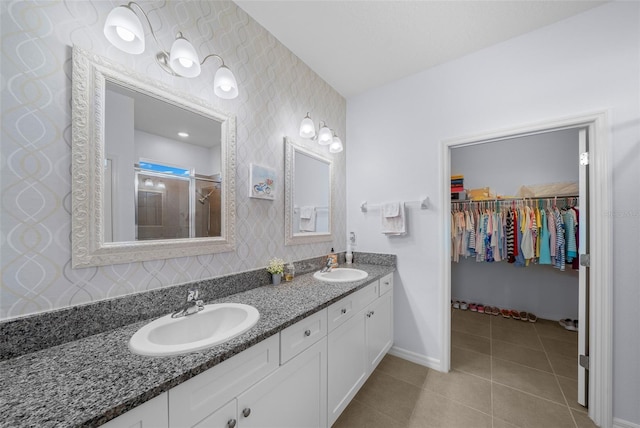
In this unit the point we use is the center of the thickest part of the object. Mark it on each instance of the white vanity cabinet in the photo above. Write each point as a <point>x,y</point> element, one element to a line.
<point>294,396</point>
<point>379,325</point>
<point>358,344</point>
<point>254,389</point>
<point>303,377</point>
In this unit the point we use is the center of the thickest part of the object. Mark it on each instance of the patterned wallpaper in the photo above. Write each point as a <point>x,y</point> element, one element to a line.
<point>276,90</point>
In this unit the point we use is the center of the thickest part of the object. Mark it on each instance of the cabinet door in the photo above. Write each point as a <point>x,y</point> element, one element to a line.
<point>294,396</point>
<point>194,400</point>
<point>379,320</point>
<point>225,417</point>
<point>347,356</point>
<point>152,414</point>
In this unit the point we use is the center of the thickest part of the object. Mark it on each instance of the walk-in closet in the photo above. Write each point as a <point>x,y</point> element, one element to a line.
<point>515,173</point>
<point>515,233</point>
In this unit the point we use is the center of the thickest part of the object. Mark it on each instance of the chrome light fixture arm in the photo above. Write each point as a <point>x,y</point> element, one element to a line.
<point>146,17</point>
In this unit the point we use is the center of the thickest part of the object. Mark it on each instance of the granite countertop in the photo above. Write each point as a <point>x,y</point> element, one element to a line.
<point>90,381</point>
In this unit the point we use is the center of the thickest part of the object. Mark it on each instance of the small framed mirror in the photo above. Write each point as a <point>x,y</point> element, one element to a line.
<point>153,170</point>
<point>308,195</point>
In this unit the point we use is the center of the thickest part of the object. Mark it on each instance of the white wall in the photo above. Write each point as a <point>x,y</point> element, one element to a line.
<point>584,64</point>
<point>119,147</point>
<point>504,166</point>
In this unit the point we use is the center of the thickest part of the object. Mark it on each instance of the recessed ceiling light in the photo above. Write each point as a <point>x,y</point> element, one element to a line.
<point>183,134</point>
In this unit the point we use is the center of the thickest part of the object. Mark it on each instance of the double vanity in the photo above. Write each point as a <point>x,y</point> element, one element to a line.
<point>314,345</point>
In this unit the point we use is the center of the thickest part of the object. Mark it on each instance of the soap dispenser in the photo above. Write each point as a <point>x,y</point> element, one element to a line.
<point>334,257</point>
<point>349,255</point>
<point>289,272</point>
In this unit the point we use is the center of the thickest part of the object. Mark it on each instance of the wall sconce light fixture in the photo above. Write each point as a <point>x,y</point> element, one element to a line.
<point>324,136</point>
<point>124,30</point>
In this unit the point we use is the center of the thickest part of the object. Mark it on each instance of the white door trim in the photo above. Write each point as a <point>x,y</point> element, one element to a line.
<point>600,281</point>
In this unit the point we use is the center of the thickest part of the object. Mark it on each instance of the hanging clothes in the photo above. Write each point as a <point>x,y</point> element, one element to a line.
<point>545,250</point>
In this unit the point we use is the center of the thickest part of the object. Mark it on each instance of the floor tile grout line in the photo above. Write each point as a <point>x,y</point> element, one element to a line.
<point>526,366</point>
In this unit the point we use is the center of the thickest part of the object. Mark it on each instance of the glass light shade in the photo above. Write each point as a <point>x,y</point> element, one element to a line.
<point>183,58</point>
<point>307,128</point>
<point>336,145</point>
<point>325,136</point>
<point>148,182</point>
<point>124,30</point>
<point>224,83</point>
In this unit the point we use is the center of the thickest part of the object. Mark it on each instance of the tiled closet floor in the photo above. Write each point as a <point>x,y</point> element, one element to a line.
<point>505,373</point>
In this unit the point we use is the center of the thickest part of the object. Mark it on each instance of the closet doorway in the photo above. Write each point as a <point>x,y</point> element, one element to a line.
<point>594,385</point>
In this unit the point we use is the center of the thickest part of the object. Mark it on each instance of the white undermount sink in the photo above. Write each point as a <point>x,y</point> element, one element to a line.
<point>215,324</point>
<point>341,275</point>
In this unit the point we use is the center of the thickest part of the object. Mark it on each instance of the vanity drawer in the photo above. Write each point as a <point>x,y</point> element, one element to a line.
<point>195,399</point>
<point>344,309</point>
<point>386,283</point>
<point>298,337</point>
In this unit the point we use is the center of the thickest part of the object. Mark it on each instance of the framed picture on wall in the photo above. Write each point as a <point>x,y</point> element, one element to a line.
<point>262,182</point>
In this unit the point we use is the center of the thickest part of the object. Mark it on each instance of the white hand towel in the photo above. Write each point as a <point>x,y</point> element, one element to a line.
<point>393,224</point>
<point>306,212</point>
<point>307,219</point>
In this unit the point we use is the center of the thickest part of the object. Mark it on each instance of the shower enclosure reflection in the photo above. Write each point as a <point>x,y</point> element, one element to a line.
<point>173,203</point>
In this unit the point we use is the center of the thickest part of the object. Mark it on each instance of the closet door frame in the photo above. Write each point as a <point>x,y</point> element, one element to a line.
<point>600,230</point>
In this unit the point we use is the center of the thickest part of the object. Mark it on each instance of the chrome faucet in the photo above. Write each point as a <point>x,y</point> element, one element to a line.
<point>191,306</point>
<point>328,265</point>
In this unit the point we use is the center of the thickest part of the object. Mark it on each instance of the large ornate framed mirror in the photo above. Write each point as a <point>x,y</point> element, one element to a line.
<point>309,194</point>
<point>141,188</point>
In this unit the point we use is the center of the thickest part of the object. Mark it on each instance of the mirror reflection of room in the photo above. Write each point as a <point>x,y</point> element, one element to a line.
<point>311,194</point>
<point>162,169</point>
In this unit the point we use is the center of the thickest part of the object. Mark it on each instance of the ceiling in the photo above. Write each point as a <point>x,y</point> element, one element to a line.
<point>357,45</point>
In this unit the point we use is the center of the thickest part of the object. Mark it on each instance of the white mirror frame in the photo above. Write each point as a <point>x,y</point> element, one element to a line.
<point>90,72</point>
<point>291,238</point>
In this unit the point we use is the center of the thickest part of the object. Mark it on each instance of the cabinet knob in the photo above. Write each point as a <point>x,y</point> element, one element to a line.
<point>344,310</point>
<point>386,283</point>
<point>307,333</point>
<point>246,412</point>
<point>231,423</point>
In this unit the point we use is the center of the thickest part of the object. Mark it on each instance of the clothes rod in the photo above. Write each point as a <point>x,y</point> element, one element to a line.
<point>424,204</point>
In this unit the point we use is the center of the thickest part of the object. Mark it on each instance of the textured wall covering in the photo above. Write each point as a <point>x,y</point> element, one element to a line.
<point>276,90</point>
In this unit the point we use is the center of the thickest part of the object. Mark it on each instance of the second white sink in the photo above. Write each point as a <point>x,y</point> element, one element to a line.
<point>214,325</point>
<point>341,275</point>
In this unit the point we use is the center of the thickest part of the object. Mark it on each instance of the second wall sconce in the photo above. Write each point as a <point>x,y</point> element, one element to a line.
<point>324,136</point>
<point>124,30</point>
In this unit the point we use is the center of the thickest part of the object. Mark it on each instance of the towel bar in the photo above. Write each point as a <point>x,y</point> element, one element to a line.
<point>424,204</point>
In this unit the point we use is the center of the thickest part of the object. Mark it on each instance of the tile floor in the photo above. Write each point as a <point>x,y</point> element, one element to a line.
<point>505,373</point>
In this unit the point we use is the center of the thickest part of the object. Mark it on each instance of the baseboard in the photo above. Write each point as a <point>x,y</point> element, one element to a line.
<point>414,357</point>
<point>619,423</point>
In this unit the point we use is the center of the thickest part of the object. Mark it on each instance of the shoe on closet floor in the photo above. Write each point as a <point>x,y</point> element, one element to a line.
<point>456,304</point>
<point>532,317</point>
<point>464,306</point>
<point>495,311</point>
<point>473,307</point>
<point>506,313</point>
<point>481,309</point>
<point>524,316</point>
<point>514,314</point>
